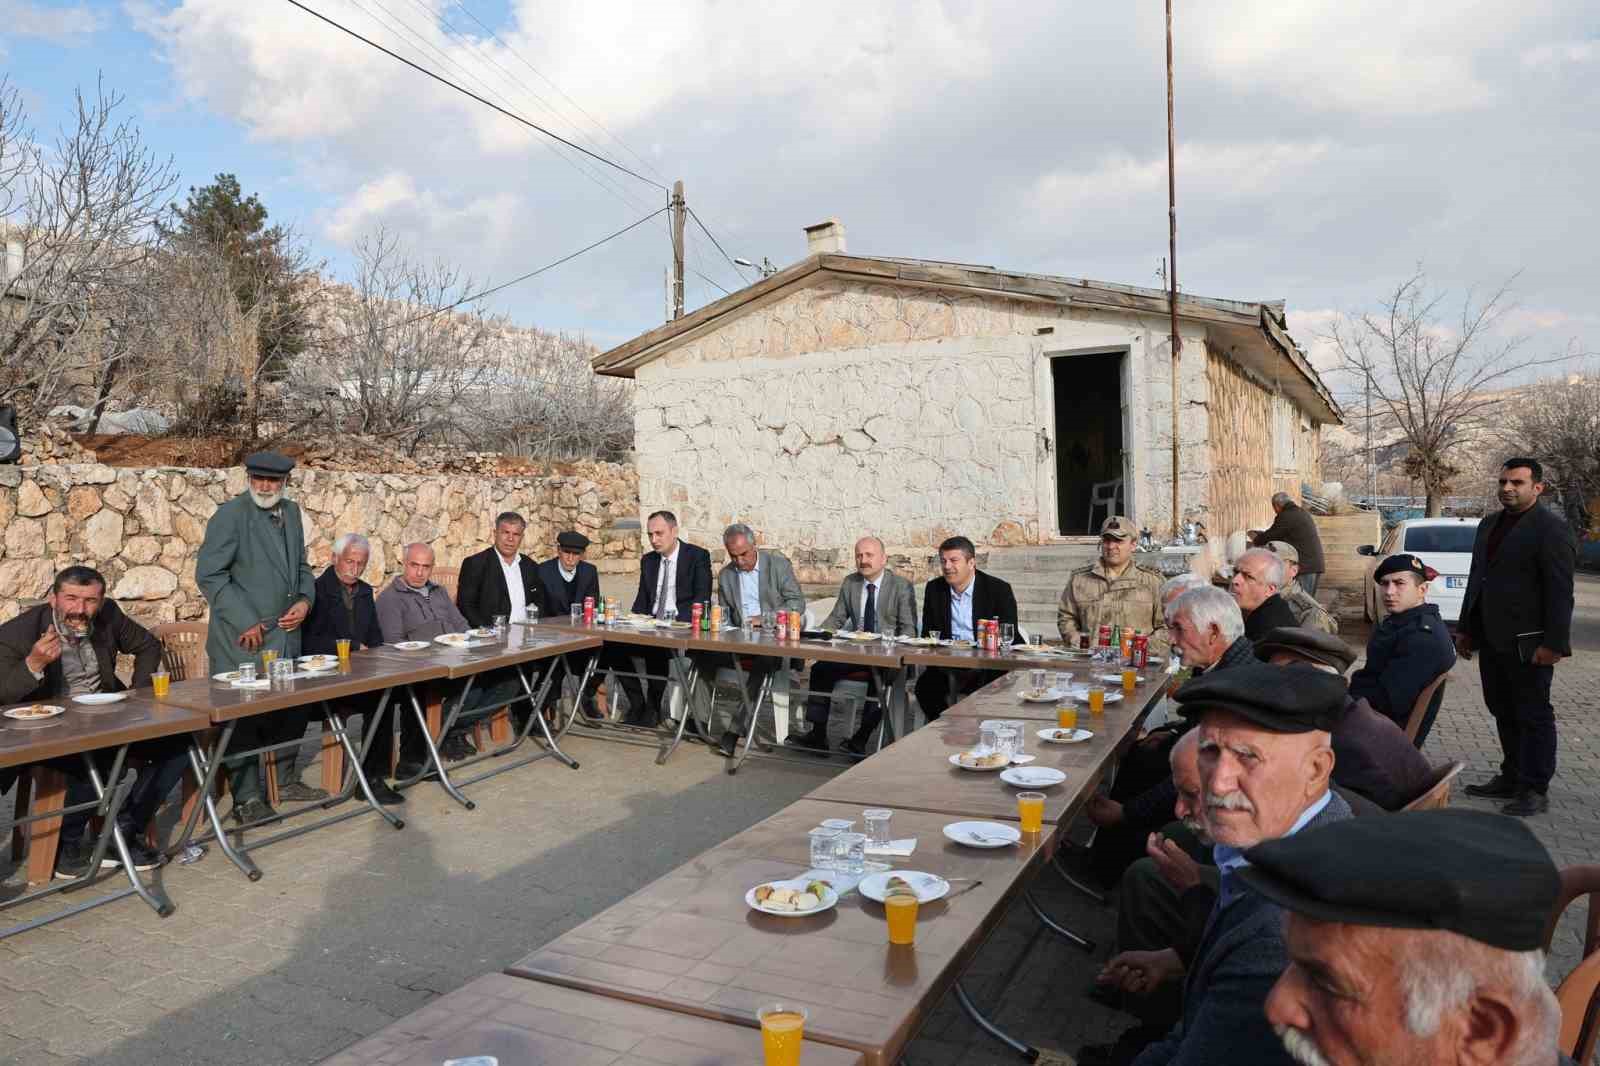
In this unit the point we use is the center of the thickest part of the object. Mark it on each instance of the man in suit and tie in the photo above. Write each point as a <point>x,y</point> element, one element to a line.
<point>500,579</point>
<point>567,580</point>
<point>951,604</point>
<point>672,579</point>
<point>1517,617</point>
<point>874,599</point>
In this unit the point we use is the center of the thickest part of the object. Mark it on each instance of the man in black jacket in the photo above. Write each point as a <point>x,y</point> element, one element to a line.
<point>1294,525</point>
<point>952,606</point>
<point>1517,615</point>
<point>66,647</point>
<point>1258,574</point>
<point>567,580</point>
<point>1408,648</point>
<point>673,577</point>
<point>500,580</point>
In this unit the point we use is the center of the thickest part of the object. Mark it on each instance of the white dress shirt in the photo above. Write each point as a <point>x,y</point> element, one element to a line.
<point>961,612</point>
<point>750,591</point>
<point>513,576</point>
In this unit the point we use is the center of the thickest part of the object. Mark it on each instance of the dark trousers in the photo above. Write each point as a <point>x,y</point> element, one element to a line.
<point>755,673</point>
<point>1146,765</point>
<point>244,774</point>
<point>933,687</point>
<point>161,764</point>
<point>576,663</point>
<point>824,677</point>
<point>656,661</point>
<point>1518,695</point>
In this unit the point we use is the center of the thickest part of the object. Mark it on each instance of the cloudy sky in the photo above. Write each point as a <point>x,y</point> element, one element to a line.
<point>1325,147</point>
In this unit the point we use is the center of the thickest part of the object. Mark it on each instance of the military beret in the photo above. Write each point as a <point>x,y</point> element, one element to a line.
<point>1284,550</point>
<point>1404,564</point>
<point>1119,527</point>
<point>1311,644</point>
<point>572,541</point>
<point>1284,699</point>
<point>1484,876</point>
<point>268,464</point>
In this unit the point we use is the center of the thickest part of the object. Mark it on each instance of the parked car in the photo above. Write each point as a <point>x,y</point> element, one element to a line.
<point>1442,543</point>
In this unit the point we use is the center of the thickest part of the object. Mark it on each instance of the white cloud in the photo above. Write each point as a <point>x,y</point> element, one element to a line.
<point>59,25</point>
<point>1561,53</point>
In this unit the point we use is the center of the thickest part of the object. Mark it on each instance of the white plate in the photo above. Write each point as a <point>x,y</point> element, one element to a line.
<point>928,887</point>
<point>1082,694</point>
<point>1064,736</point>
<point>829,898</point>
<point>412,645</point>
<point>955,760</point>
<point>960,833</point>
<point>15,713</point>
<point>259,682</point>
<point>227,676</point>
<point>1049,695</point>
<point>1116,679</point>
<point>1022,760</point>
<point>453,640</point>
<point>100,697</point>
<point>1032,776</point>
<point>318,663</point>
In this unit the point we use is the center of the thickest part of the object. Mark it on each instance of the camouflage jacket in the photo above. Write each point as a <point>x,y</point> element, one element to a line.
<point>1092,599</point>
<point>1307,611</point>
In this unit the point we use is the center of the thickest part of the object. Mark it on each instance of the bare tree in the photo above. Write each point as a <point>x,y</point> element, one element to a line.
<point>554,406</point>
<point>1559,423</point>
<point>1435,379</point>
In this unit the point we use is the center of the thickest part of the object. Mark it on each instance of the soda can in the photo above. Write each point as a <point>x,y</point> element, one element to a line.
<point>716,617</point>
<point>1141,651</point>
<point>783,625</point>
<point>1103,636</point>
<point>588,610</point>
<point>994,634</point>
<point>694,616</point>
<point>1127,641</point>
<point>796,623</point>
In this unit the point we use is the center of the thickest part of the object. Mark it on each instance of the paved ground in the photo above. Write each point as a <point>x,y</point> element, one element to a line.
<point>357,925</point>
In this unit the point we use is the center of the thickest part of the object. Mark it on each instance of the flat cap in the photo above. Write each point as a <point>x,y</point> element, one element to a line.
<point>1312,645</point>
<point>1284,699</point>
<point>1404,564</point>
<point>572,540</point>
<point>1120,527</point>
<point>268,464</point>
<point>1284,550</point>
<point>1484,876</point>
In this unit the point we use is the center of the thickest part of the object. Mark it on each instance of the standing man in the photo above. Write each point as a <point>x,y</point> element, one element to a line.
<point>874,599</point>
<point>500,579</point>
<point>676,575</point>
<point>1408,648</point>
<point>1257,576</point>
<point>1114,590</point>
<point>1517,615</point>
<point>252,570</point>
<point>1295,526</point>
<point>950,606</point>
<point>566,581</point>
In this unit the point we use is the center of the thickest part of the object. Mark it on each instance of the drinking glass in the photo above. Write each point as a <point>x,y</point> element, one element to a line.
<point>782,1031</point>
<point>1066,716</point>
<point>1008,633</point>
<point>887,637</point>
<point>1022,737</point>
<point>577,614</point>
<point>1005,735</point>
<point>1097,700</point>
<point>1063,683</point>
<point>670,615</point>
<point>877,820</point>
<point>532,614</point>
<point>1036,639</point>
<point>824,844</point>
<point>901,911</point>
<point>1130,680</point>
<point>851,853</point>
<point>747,628</point>
<point>498,624</point>
<point>160,681</point>
<point>1035,680</point>
<point>838,825</point>
<point>1030,810</point>
<point>987,740</point>
<point>247,671</point>
<point>341,647</point>
<point>933,635</point>
<point>267,657</point>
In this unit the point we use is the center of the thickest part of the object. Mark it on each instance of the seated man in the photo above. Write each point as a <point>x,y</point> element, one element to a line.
<point>673,577</point>
<point>68,646</point>
<point>345,609</point>
<point>414,608</point>
<point>1409,648</point>
<point>1415,939</point>
<point>950,606</point>
<point>874,599</point>
<point>1265,765</point>
<point>755,581</point>
<point>1257,576</point>
<point>566,581</point>
<point>499,580</point>
<point>1114,590</point>
<point>1310,613</point>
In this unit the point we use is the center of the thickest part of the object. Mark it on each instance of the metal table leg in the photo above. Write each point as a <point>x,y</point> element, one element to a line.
<point>752,711</point>
<point>535,716</point>
<point>205,771</point>
<point>1026,1052</point>
<point>358,774</point>
<point>1052,925</point>
<point>688,676</point>
<point>433,749</point>
<point>1061,869</point>
<point>152,894</point>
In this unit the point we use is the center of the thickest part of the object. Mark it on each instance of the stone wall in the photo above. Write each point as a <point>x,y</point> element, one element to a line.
<point>143,528</point>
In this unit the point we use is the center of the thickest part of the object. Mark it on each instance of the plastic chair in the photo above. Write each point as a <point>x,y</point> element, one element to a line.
<point>1106,494</point>
<point>447,578</point>
<point>1425,710</point>
<point>1577,994</point>
<point>183,649</point>
<point>1437,795</point>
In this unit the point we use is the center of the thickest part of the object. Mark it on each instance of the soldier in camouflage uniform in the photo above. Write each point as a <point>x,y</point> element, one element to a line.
<point>1114,590</point>
<point>1309,613</point>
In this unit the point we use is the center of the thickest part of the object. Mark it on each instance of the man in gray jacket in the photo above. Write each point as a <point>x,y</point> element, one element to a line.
<point>874,599</point>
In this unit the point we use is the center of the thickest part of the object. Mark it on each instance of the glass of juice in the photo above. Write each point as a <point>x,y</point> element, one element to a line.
<point>1130,678</point>
<point>1066,716</point>
<point>1097,700</point>
<point>782,1029</point>
<point>342,647</point>
<point>900,908</point>
<point>1030,809</point>
<point>267,658</point>
<point>160,681</point>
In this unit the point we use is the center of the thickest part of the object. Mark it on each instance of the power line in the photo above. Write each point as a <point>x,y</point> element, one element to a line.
<point>468,92</point>
<point>718,245</point>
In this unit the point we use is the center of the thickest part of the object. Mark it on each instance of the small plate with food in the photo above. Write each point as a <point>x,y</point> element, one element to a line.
<point>411,645</point>
<point>1064,736</point>
<point>318,663</point>
<point>980,760</point>
<point>95,698</point>
<point>1082,695</point>
<point>453,640</point>
<point>927,887</point>
<point>982,834</point>
<point>1040,695</point>
<point>36,712</point>
<point>958,643</point>
<point>793,898</point>
<point>1032,776</point>
<point>227,677</point>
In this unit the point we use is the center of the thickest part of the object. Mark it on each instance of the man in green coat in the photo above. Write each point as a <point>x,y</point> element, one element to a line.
<point>253,572</point>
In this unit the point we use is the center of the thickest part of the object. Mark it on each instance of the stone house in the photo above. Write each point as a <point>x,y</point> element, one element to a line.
<point>915,399</point>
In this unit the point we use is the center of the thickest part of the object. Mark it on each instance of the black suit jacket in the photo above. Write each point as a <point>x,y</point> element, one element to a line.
<point>481,591</point>
<point>1527,587</point>
<point>991,598</point>
<point>113,632</point>
<point>694,580</point>
<point>328,621</point>
<point>558,600</point>
<point>1272,614</point>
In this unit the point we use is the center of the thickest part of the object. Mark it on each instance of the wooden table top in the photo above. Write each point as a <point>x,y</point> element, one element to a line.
<point>689,943</point>
<point>864,653</point>
<point>1001,698</point>
<point>1018,657</point>
<point>670,639</point>
<point>87,728</point>
<point>531,1023</point>
<point>368,672</point>
<point>521,644</point>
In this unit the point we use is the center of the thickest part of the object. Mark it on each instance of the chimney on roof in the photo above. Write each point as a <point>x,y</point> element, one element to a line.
<point>825,238</point>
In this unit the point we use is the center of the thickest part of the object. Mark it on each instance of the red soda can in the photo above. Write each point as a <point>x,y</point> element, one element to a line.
<point>994,634</point>
<point>588,610</point>
<point>783,625</point>
<point>1103,637</point>
<point>1141,651</point>
<point>694,621</point>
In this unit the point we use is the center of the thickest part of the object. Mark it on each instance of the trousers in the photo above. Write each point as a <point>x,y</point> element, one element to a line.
<point>1518,696</point>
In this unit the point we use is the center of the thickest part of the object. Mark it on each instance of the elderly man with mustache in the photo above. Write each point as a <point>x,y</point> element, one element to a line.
<point>1266,762</point>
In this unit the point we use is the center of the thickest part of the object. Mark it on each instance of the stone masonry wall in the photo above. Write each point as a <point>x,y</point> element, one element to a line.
<point>143,528</point>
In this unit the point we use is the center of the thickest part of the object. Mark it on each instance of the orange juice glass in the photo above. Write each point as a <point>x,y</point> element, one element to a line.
<point>1130,678</point>
<point>1066,716</point>
<point>1097,700</point>
<point>342,646</point>
<point>782,1029</point>
<point>901,910</point>
<point>1030,809</point>
<point>160,682</point>
<point>267,657</point>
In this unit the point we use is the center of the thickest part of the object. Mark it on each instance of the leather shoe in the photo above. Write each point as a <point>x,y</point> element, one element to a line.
<point>854,746</point>
<point>406,770</point>
<point>728,745</point>
<point>381,792</point>
<point>253,810</point>
<point>811,741</point>
<point>300,792</point>
<point>1528,802</point>
<point>1497,787</point>
<point>455,748</point>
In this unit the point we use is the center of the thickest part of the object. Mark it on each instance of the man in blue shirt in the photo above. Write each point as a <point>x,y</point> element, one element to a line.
<point>951,605</point>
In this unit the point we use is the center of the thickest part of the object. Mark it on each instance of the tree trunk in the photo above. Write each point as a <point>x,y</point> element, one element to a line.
<point>1435,500</point>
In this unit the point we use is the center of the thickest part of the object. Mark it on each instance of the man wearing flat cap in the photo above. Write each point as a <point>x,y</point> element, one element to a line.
<point>1265,766</point>
<point>1416,938</point>
<point>1114,590</point>
<point>252,570</point>
<point>1308,613</point>
<point>566,580</point>
<point>1409,648</point>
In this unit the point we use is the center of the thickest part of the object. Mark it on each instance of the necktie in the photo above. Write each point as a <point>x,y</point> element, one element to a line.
<point>869,617</point>
<point>661,590</point>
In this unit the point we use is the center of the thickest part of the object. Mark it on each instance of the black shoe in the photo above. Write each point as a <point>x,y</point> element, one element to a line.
<point>299,792</point>
<point>1497,787</point>
<point>455,748</point>
<point>406,769</point>
<point>143,855</point>
<point>727,745</point>
<point>812,741</point>
<point>1528,802</point>
<point>854,746</point>
<point>254,810</point>
<point>381,792</point>
<point>72,859</point>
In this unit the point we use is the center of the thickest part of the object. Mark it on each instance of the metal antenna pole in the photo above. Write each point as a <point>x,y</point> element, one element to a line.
<point>1172,277</point>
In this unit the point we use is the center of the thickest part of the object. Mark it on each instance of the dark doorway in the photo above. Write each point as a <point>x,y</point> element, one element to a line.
<point>1088,390</point>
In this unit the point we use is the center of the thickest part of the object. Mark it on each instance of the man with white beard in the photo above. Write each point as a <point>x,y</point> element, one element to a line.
<point>1414,939</point>
<point>252,570</point>
<point>1265,764</point>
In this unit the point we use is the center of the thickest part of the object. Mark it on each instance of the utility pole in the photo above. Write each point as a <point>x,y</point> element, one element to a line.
<point>677,249</point>
<point>1172,277</point>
